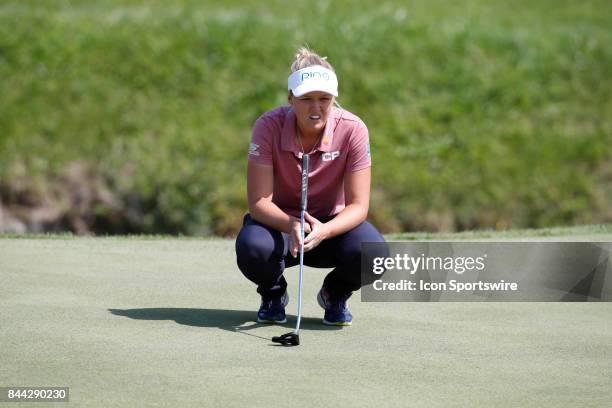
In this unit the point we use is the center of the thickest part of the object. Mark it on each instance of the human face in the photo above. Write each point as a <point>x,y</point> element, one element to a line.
<point>312,110</point>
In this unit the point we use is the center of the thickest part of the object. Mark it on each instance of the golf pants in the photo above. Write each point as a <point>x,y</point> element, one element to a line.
<point>263,254</point>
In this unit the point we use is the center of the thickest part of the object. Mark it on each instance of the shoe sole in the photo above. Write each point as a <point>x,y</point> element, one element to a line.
<point>271,321</point>
<point>336,323</point>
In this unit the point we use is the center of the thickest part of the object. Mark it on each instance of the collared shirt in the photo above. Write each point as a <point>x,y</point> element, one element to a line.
<point>343,147</point>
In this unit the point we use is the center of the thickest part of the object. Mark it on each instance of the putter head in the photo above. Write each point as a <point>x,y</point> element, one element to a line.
<point>287,339</point>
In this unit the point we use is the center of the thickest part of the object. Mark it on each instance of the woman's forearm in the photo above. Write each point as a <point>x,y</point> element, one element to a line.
<point>268,213</point>
<point>347,219</point>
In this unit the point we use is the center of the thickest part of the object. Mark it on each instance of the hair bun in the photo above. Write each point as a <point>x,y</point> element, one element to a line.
<point>305,57</point>
<point>302,53</point>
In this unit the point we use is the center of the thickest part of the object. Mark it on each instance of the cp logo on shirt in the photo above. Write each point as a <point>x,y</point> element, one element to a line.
<point>330,156</point>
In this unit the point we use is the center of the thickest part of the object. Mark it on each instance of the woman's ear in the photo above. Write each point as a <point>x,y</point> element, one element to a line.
<point>290,98</point>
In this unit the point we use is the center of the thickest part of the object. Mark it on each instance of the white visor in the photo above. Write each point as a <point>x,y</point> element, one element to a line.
<point>315,78</point>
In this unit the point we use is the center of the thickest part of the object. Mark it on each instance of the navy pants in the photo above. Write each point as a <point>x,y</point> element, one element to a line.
<point>263,254</point>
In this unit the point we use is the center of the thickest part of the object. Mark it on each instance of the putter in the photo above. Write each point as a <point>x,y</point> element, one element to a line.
<point>293,338</point>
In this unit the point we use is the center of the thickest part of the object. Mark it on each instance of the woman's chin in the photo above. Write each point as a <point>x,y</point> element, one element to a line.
<point>314,127</point>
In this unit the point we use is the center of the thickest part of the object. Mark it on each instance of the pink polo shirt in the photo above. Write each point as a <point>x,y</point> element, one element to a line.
<point>344,147</point>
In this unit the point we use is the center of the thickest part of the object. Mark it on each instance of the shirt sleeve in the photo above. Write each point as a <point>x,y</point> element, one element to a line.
<point>260,149</point>
<point>359,149</point>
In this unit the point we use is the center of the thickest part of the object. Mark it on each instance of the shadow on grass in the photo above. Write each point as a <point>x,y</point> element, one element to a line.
<point>230,320</point>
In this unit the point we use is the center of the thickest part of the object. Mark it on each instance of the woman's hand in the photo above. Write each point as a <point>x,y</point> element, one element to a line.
<point>295,235</point>
<point>319,232</point>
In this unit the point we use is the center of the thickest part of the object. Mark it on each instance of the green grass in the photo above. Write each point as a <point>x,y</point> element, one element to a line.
<point>167,323</point>
<point>482,114</point>
<point>595,231</point>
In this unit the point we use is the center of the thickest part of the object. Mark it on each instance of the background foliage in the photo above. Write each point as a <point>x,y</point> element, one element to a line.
<point>135,116</point>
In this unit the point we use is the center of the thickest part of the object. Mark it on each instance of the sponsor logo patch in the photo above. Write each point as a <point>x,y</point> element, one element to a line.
<point>331,156</point>
<point>253,149</point>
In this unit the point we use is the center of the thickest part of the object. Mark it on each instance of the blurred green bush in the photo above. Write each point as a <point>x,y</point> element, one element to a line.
<point>482,114</point>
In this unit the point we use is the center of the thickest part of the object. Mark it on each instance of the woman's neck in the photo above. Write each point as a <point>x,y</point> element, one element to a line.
<point>308,141</point>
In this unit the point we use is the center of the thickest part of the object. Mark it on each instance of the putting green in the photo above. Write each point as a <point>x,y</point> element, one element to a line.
<point>128,322</point>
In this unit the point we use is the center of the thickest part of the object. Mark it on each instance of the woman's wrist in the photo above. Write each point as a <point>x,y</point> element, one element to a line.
<point>292,223</point>
<point>328,230</point>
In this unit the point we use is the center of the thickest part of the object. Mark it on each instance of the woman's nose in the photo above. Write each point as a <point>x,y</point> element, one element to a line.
<point>317,106</point>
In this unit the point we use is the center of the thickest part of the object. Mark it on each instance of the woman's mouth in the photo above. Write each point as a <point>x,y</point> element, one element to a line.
<point>314,117</point>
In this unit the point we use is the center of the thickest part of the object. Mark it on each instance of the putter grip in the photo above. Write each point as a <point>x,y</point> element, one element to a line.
<point>305,162</point>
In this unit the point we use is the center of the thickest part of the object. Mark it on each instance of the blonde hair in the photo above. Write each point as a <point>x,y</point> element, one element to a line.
<point>305,57</point>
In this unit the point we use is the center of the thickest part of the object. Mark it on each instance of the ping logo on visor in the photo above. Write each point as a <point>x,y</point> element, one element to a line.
<point>315,74</point>
<point>315,78</point>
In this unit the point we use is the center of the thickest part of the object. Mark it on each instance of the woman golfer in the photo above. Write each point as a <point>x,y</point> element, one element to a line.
<point>338,194</point>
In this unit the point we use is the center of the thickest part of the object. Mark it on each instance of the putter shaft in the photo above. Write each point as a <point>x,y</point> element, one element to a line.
<point>303,205</point>
<point>293,338</point>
